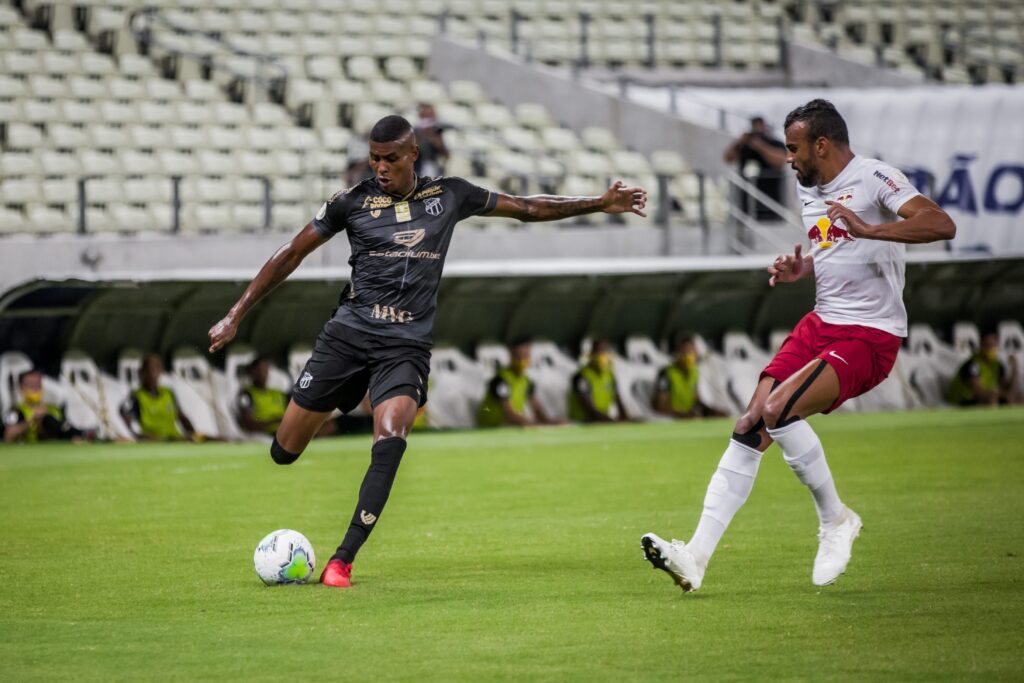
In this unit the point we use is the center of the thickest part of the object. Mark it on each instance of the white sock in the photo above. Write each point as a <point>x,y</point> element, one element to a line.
<point>727,492</point>
<point>802,451</point>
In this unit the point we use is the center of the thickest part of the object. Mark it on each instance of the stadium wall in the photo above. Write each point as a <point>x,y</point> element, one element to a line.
<point>563,300</point>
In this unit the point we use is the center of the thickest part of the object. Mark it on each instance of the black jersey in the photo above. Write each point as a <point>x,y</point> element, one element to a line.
<point>399,245</point>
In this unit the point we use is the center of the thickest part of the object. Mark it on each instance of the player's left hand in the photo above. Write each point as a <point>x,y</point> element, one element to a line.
<point>621,199</point>
<point>854,225</point>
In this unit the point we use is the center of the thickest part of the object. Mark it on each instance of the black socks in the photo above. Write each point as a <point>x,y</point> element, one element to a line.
<point>385,457</point>
<point>280,455</point>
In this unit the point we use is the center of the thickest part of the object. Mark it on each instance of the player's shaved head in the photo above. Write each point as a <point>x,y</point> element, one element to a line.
<point>391,129</point>
<point>822,121</point>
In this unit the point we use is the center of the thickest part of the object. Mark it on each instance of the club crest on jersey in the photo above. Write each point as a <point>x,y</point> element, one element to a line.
<point>409,238</point>
<point>827,234</point>
<point>844,197</point>
<point>433,206</point>
<point>307,378</point>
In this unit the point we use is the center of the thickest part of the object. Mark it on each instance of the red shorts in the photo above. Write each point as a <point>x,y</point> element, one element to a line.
<point>861,356</point>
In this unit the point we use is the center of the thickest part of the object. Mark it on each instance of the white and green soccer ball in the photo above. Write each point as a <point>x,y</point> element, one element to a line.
<point>284,556</point>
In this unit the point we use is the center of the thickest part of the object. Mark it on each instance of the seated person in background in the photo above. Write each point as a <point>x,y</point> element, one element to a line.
<point>151,411</point>
<point>260,408</point>
<point>594,392</point>
<point>32,420</point>
<point>983,379</point>
<point>510,392</point>
<point>675,391</point>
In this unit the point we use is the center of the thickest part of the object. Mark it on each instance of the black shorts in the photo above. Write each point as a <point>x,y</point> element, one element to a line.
<point>346,362</point>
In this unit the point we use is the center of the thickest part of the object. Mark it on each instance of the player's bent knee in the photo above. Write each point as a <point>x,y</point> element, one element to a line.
<point>772,410</point>
<point>282,456</point>
<point>748,432</point>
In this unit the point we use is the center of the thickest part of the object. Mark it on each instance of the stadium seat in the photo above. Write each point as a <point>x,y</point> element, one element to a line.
<point>204,395</point>
<point>101,394</point>
<point>491,357</point>
<point>456,390</point>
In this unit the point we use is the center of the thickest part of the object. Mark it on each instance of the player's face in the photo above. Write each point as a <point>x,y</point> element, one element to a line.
<point>392,163</point>
<point>687,354</point>
<point>521,358</point>
<point>32,388</point>
<point>150,373</point>
<point>990,346</point>
<point>800,154</point>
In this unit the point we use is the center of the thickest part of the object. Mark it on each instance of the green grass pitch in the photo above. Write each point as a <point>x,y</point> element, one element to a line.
<point>515,555</point>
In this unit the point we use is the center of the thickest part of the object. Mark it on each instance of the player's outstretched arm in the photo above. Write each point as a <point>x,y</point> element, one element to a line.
<point>790,268</point>
<point>273,273</point>
<point>543,207</point>
<point>923,221</point>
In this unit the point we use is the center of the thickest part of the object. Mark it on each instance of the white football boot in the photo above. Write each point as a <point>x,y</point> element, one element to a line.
<point>675,559</point>
<point>835,544</point>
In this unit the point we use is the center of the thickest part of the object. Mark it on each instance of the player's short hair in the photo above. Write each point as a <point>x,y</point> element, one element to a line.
<point>683,338</point>
<point>390,129</point>
<point>519,341</point>
<point>823,121</point>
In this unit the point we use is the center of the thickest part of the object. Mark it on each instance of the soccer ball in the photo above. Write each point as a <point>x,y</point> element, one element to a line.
<point>284,556</point>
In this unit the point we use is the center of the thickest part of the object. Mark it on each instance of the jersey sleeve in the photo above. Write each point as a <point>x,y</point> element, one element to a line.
<point>131,406</point>
<point>499,389</point>
<point>332,217</point>
<point>244,401</point>
<point>471,200</point>
<point>661,384</point>
<point>892,188</point>
<point>13,417</point>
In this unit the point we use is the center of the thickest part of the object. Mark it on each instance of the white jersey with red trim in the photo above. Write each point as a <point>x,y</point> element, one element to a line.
<point>858,281</point>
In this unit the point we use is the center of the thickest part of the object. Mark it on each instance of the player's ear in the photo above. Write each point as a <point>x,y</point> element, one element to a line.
<point>821,146</point>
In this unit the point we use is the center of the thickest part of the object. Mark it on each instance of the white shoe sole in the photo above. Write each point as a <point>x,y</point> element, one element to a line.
<point>652,553</point>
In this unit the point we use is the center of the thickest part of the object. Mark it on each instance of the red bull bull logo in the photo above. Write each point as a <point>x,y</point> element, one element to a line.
<point>826,234</point>
<point>835,233</point>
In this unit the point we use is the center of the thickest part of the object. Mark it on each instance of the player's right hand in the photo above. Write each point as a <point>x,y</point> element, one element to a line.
<point>222,333</point>
<point>787,268</point>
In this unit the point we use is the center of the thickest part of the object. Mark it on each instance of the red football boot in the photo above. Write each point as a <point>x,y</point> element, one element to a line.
<point>337,574</point>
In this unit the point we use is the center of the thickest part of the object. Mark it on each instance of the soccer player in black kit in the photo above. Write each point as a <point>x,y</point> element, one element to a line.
<point>379,338</point>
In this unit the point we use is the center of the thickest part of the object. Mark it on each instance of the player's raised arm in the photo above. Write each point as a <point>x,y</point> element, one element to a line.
<point>923,222</point>
<point>274,271</point>
<point>543,207</point>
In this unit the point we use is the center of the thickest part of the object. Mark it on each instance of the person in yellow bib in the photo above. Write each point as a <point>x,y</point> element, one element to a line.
<point>260,408</point>
<point>152,411</point>
<point>675,391</point>
<point>510,398</point>
<point>33,420</point>
<point>594,396</point>
<point>983,379</point>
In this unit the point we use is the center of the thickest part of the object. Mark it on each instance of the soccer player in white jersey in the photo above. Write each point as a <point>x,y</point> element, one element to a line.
<point>859,213</point>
